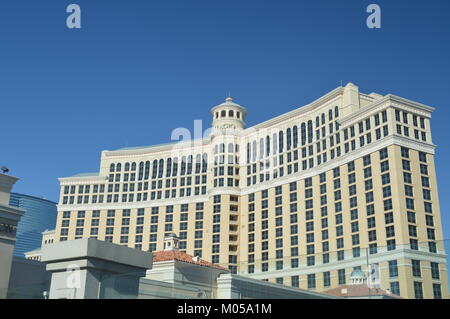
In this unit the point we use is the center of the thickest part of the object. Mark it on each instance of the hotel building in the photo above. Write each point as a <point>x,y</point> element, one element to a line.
<point>344,183</point>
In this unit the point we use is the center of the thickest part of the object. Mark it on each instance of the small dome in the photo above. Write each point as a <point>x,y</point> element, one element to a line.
<point>229,102</point>
<point>357,274</point>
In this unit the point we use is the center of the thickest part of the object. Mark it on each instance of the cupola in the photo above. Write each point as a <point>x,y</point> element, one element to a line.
<point>228,116</point>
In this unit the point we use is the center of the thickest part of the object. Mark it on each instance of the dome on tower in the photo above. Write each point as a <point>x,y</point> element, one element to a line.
<point>229,102</point>
<point>228,115</point>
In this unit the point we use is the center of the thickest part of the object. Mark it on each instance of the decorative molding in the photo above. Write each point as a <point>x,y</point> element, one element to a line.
<point>7,181</point>
<point>303,110</point>
<point>135,205</point>
<point>83,180</point>
<point>385,103</point>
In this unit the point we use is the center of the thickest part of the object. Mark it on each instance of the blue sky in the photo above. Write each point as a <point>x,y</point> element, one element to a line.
<point>137,69</point>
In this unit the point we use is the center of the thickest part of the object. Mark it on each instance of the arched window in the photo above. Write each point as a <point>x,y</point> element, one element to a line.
<point>248,153</point>
<point>330,115</point>
<point>222,148</point>
<point>295,136</point>
<point>147,170</point>
<point>288,139</point>
<point>168,167</point>
<point>198,163</point>
<point>317,121</point>
<point>118,167</point>
<point>155,168</point>
<point>303,133</point>
<point>336,111</point>
<point>230,148</point>
<point>141,171</point>
<point>217,115</point>
<point>223,113</point>
<point>261,147</point>
<point>127,167</point>
<point>205,163</point>
<point>238,115</point>
<point>161,168</point>
<point>183,165</point>
<point>111,167</point>
<point>310,131</point>
<point>323,118</point>
<point>267,145</point>
<point>230,113</point>
<point>133,166</point>
<point>189,165</point>
<point>254,151</point>
<point>175,167</point>
<point>280,142</point>
<point>274,143</point>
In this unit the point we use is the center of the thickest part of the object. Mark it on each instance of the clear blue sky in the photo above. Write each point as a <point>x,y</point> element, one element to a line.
<point>137,69</point>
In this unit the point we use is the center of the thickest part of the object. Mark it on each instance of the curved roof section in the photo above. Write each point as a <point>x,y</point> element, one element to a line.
<point>229,103</point>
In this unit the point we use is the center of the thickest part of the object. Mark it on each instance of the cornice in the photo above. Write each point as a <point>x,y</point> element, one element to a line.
<point>135,205</point>
<point>160,149</point>
<point>7,180</point>
<point>157,149</point>
<point>303,110</point>
<point>83,180</point>
<point>11,213</point>
<point>384,103</point>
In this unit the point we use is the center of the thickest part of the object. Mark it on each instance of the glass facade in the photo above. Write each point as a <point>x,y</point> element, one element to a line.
<point>40,215</point>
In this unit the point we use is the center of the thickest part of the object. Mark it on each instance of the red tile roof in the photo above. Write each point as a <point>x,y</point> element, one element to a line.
<point>358,291</point>
<point>168,255</point>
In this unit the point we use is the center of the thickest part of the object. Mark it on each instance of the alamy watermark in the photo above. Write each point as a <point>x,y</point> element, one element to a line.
<point>374,19</point>
<point>73,21</point>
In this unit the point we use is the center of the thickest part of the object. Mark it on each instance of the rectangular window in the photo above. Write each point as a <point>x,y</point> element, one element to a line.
<point>416,268</point>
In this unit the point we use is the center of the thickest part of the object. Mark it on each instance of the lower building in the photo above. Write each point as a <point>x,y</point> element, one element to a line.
<point>28,279</point>
<point>9,219</point>
<point>92,269</point>
<point>48,237</point>
<point>360,289</point>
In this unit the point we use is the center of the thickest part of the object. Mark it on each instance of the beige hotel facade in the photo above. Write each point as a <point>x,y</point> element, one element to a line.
<point>346,182</point>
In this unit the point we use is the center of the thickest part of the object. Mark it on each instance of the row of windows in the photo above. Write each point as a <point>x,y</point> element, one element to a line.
<point>131,197</point>
<point>170,166</point>
<point>139,211</point>
<point>402,116</point>
<point>293,163</point>
<point>231,114</point>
